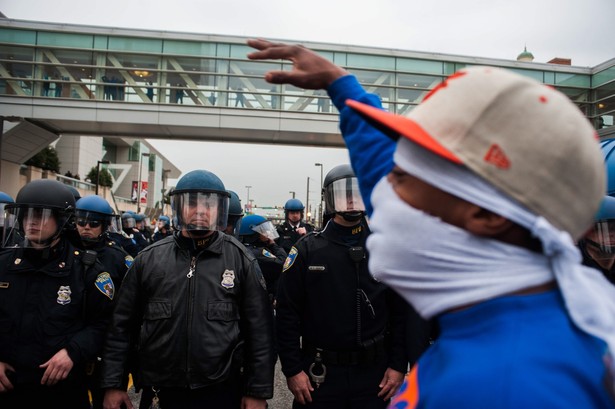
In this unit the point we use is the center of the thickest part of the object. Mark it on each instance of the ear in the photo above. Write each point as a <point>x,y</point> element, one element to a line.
<point>486,223</point>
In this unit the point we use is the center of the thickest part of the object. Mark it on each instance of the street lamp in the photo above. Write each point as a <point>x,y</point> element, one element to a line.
<point>320,209</point>
<point>293,193</point>
<point>139,187</point>
<point>248,199</point>
<point>307,199</point>
<point>98,163</point>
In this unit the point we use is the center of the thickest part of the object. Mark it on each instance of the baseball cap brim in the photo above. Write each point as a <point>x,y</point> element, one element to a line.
<point>395,126</point>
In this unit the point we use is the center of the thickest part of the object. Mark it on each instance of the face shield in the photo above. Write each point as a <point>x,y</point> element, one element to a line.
<point>602,238</point>
<point>128,223</point>
<point>115,224</point>
<point>6,217</point>
<point>31,227</point>
<point>343,196</point>
<point>91,225</point>
<point>267,229</point>
<point>200,211</point>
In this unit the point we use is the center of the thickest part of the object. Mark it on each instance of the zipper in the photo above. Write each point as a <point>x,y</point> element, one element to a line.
<point>192,267</point>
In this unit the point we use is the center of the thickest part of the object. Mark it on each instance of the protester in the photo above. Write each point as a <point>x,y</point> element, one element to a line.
<point>470,226</point>
<point>200,309</point>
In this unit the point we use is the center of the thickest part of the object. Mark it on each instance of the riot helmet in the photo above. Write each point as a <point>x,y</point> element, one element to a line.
<point>341,194</point>
<point>235,213</point>
<point>5,198</point>
<point>254,225</point>
<point>293,205</point>
<point>200,203</point>
<point>41,212</point>
<point>91,212</point>
<point>601,237</point>
<point>76,194</point>
<point>128,221</point>
<point>164,222</point>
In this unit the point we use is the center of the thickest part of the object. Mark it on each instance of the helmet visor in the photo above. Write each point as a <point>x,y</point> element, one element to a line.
<point>267,229</point>
<point>32,227</point>
<point>603,235</point>
<point>198,211</point>
<point>343,195</point>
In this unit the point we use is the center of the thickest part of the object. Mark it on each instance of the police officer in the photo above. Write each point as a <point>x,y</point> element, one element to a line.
<point>293,227</point>
<point>351,327</point>
<point>129,227</point>
<point>258,235</point>
<point>93,219</point>
<point>598,245</point>
<point>201,307</point>
<point>163,228</point>
<point>55,304</point>
<point>235,213</point>
<point>143,225</point>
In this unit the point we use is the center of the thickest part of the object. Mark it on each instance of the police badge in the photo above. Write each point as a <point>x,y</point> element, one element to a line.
<point>64,295</point>
<point>228,278</point>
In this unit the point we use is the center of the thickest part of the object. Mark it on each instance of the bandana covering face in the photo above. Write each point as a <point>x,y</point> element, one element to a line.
<point>436,266</point>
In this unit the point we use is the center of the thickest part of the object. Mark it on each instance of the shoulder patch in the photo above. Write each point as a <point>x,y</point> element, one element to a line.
<point>266,253</point>
<point>105,285</point>
<point>128,260</point>
<point>290,259</point>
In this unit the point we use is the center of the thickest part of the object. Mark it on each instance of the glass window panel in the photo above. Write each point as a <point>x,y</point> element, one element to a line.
<point>240,51</point>
<point>16,53</point>
<point>135,44</point>
<point>549,77</point>
<point>420,66</point>
<point>450,68</point>
<point>101,42</point>
<point>418,81</point>
<point>605,91</point>
<point>572,80</point>
<point>370,61</point>
<point>340,59</point>
<point>138,66</point>
<point>603,76</point>
<point>374,77</point>
<point>189,48</point>
<point>8,35</point>
<point>413,96</point>
<point>575,94</point>
<point>537,75</point>
<point>65,39</point>
<point>134,151</point>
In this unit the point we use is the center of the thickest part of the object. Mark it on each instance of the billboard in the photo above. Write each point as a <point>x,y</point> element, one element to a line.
<point>143,193</point>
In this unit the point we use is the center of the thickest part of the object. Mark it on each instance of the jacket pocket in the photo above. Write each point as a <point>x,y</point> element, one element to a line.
<point>157,310</point>
<point>222,311</point>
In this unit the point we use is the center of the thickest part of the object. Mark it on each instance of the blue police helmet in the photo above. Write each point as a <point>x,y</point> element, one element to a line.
<point>235,208</point>
<point>607,209</point>
<point>95,204</point>
<point>139,217</point>
<point>6,198</point>
<point>248,222</point>
<point>165,220</point>
<point>294,205</point>
<point>608,152</point>
<point>200,188</point>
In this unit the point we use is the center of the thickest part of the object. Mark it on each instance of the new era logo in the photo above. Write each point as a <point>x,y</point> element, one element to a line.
<point>496,156</point>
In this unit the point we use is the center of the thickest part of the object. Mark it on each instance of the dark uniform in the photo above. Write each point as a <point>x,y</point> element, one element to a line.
<point>288,234</point>
<point>50,300</point>
<point>116,262</point>
<point>329,308</point>
<point>125,242</point>
<point>271,261</point>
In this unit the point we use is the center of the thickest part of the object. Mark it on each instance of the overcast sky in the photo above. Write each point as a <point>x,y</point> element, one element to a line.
<point>578,29</point>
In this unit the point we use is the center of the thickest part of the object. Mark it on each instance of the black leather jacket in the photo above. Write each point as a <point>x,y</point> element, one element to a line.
<point>201,316</point>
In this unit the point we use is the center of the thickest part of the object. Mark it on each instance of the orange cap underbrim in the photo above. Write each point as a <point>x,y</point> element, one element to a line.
<point>400,125</point>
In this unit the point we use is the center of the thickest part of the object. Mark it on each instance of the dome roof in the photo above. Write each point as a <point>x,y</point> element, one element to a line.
<point>525,55</point>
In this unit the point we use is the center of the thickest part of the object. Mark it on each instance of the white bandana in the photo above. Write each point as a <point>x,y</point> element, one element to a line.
<point>437,266</point>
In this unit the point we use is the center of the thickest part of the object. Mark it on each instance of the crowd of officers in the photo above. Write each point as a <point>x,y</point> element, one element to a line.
<point>199,311</point>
